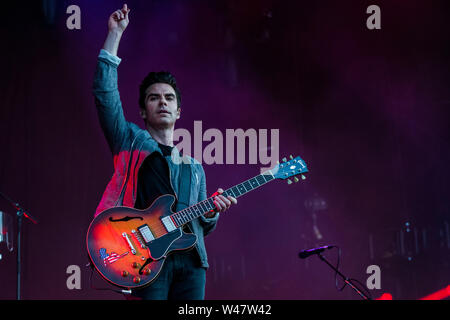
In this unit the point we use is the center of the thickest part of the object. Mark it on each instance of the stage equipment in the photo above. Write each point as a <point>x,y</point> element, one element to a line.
<point>306,253</point>
<point>20,213</point>
<point>6,233</point>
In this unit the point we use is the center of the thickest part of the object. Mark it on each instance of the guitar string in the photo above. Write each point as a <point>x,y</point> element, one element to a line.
<point>160,228</point>
<point>266,176</point>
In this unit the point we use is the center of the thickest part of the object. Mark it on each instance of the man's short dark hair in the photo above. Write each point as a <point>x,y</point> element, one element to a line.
<point>158,77</point>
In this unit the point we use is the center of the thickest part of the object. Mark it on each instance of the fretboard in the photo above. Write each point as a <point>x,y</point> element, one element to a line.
<point>190,213</point>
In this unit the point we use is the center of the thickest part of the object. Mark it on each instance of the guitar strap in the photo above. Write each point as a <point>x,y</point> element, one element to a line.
<point>184,185</point>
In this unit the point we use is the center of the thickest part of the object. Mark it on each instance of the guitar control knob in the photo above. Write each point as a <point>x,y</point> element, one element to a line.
<point>136,279</point>
<point>125,273</point>
<point>147,271</point>
<point>135,265</point>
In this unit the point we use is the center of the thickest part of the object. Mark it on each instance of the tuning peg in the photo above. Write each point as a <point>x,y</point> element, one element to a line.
<point>303,177</point>
<point>296,179</point>
<point>289,181</point>
<point>284,160</point>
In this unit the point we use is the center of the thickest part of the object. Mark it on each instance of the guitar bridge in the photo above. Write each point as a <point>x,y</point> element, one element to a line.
<point>139,238</point>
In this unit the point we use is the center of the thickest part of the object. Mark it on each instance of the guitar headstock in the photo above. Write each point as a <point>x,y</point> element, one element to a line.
<point>290,168</point>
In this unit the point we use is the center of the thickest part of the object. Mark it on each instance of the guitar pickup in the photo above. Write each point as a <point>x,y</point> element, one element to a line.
<point>146,233</point>
<point>168,223</point>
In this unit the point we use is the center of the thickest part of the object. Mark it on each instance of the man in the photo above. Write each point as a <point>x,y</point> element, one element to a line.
<point>145,166</point>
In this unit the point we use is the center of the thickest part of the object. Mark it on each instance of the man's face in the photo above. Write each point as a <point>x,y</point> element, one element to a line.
<point>161,108</point>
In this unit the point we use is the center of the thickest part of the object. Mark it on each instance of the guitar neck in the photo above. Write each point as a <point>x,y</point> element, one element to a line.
<point>188,214</point>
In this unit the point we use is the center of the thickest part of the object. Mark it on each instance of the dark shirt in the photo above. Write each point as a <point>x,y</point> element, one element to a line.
<point>153,178</point>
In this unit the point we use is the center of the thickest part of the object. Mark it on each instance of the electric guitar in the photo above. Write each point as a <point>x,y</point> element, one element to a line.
<point>128,246</point>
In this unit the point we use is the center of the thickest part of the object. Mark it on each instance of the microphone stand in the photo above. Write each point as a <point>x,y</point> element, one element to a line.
<point>20,214</point>
<point>346,280</point>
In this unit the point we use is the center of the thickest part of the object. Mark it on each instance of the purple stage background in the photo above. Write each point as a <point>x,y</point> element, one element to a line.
<point>366,109</point>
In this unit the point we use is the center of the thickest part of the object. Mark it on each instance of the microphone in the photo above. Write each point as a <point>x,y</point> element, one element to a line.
<point>306,253</point>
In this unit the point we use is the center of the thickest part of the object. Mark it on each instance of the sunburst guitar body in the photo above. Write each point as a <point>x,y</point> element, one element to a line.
<point>128,247</point>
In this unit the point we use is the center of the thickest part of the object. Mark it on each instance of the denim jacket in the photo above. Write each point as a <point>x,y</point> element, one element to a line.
<point>130,145</point>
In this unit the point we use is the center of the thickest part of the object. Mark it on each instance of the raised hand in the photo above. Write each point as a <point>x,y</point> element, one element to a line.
<point>118,20</point>
<point>117,23</point>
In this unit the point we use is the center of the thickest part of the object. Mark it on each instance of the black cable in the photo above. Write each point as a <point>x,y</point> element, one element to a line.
<point>104,289</point>
<point>337,268</point>
<point>362,288</point>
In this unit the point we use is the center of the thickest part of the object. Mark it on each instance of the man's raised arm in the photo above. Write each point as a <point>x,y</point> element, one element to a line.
<point>105,88</point>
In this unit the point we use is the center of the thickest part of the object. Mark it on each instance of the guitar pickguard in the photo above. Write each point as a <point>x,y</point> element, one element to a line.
<point>178,241</point>
<point>159,247</point>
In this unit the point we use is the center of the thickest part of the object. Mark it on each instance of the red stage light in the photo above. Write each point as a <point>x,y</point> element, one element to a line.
<point>385,296</point>
<point>438,295</point>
